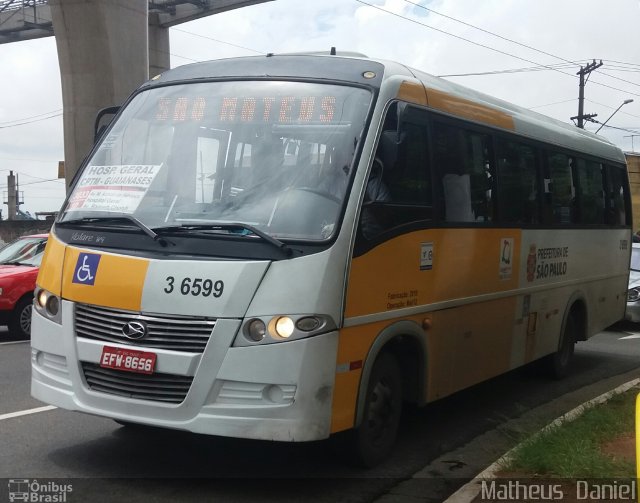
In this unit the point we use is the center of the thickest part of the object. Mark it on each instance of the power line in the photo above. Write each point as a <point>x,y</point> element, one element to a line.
<point>217,40</point>
<point>501,72</point>
<point>25,159</point>
<point>554,103</point>
<point>31,121</point>
<point>488,47</point>
<point>31,117</point>
<point>512,41</point>
<point>612,108</point>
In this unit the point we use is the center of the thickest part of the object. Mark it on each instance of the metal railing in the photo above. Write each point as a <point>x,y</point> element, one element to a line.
<point>9,5</point>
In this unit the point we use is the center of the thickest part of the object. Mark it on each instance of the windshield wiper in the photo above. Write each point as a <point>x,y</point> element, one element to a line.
<point>227,226</point>
<point>127,218</point>
<point>16,262</point>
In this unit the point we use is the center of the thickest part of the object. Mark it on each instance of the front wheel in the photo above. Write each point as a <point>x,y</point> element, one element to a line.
<point>20,321</point>
<point>374,439</point>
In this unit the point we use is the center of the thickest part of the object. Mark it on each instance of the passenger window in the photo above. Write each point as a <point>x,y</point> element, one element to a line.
<point>617,196</point>
<point>398,191</point>
<point>463,163</point>
<point>517,183</point>
<point>590,197</point>
<point>559,189</point>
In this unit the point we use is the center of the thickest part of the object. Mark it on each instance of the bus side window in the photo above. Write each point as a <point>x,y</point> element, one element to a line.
<point>559,189</point>
<point>465,170</point>
<point>399,186</point>
<point>617,196</point>
<point>518,183</point>
<point>590,187</point>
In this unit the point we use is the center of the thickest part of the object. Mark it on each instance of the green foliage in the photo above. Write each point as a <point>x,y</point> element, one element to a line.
<point>574,449</point>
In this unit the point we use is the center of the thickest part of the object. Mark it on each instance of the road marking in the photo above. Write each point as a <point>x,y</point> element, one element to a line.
<point>636,336</point>
<point>13,342</point>
<point>11,415</point>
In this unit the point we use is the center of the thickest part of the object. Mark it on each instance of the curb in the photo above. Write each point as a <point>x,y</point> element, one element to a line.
<point>471,489</point>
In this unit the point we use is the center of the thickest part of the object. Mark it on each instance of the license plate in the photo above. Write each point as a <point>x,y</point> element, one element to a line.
<point>129,360</point>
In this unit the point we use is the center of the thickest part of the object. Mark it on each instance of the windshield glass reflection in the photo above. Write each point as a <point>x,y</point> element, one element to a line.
<point>273,155</point>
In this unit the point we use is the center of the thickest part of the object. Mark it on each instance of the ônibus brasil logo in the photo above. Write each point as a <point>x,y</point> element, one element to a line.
<point>38,492</point>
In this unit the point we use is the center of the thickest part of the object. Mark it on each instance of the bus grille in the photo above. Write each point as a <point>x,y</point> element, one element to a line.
<point>156,387</point>
<point>177,333</point>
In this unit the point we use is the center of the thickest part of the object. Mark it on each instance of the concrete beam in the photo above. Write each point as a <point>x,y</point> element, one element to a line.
<point>103,57</point>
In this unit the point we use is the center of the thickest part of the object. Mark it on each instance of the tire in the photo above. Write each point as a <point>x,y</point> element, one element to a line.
<point>20,320</point>
<point>374,439</point>
<point>558,364</point>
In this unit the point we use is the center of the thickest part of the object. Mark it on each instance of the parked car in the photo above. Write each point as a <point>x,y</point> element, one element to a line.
<point>633,293</point>
<point>19,265</point>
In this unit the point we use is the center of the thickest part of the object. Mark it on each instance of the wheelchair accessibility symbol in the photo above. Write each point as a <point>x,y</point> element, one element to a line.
<point>86,268</point>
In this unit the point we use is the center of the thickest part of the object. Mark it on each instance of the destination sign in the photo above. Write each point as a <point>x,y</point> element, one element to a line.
<point>250,109</point>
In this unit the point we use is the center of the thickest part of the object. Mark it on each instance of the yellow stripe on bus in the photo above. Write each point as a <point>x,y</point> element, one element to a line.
<point>471,110</point>
<point>50,274</point>
<point>412,93</point>
<point>465,263</point>
<point>119,281</point>
<point>471,343</point>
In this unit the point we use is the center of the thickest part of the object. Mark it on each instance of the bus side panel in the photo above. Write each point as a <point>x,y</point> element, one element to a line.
<point>438,274</point>
<point>432,267</point>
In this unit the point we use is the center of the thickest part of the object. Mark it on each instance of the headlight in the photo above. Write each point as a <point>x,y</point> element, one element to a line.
<point>633,294</point>
<point>272,329</point>
<point>284,327</point>
<point>48,305</point>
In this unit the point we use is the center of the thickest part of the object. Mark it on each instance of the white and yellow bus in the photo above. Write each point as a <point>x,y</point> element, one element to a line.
<point>287,247</point>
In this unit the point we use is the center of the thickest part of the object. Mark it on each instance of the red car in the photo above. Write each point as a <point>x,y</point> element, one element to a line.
<point>19,265</point>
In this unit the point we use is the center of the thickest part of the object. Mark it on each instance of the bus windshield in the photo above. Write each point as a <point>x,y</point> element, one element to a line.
<point>274,155</point>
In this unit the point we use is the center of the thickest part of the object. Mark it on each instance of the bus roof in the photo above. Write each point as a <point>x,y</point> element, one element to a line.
<point>352,68</point>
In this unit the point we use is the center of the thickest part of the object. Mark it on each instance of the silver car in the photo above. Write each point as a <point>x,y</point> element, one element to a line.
<point>633,294</point>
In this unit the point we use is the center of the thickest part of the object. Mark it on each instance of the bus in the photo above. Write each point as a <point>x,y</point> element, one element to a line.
<point>288,247</point>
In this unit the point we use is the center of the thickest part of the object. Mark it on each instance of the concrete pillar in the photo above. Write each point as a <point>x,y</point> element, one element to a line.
<point>12,199</point>
<point>159,57</point>
<point>103,56</point>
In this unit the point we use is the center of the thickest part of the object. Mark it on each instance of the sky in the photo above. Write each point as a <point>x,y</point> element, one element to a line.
<point>523,51</point>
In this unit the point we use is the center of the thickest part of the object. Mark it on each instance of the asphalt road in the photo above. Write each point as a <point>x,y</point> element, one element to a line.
<point>104,461</point>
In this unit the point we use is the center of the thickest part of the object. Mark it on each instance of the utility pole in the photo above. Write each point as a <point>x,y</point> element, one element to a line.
<point>584,71</point>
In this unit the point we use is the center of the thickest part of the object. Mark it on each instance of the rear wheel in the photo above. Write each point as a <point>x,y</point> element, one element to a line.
<point>374,439</point>
<point>558,364</point>
<point>20,321</point>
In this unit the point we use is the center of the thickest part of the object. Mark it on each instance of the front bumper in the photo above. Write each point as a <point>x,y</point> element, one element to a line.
<point>272,392</point>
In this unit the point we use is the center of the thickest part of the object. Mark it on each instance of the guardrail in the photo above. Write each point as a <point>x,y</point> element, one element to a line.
<point>9,5</point>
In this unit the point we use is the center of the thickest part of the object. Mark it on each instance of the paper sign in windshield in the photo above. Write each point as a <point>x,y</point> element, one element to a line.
<point>113,188</point>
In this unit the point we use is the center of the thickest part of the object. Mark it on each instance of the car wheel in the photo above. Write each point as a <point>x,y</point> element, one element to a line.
<point>20,321</point>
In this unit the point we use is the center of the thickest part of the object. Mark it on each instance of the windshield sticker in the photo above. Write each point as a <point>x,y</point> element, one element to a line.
<point>113,188</point>
<point>86,268</point>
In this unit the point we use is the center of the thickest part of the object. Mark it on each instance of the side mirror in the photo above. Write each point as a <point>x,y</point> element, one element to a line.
<point>99,126</point>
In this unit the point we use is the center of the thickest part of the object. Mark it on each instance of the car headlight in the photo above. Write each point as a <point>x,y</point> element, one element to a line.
<point>272,329</point>
<point>48,305</point>
<point>633,294</point>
